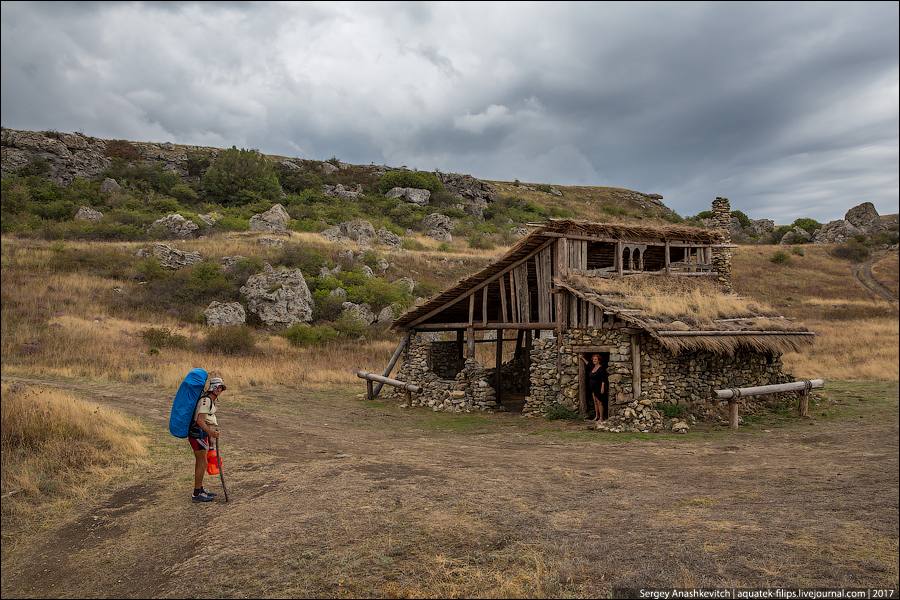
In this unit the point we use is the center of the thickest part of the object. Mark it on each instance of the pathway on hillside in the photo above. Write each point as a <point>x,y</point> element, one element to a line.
<point>863,272</point>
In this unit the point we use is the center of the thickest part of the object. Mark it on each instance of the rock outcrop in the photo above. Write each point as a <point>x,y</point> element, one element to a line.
<point>173,227</point>
<point>227,314</point>
<point>411,195</point>
<point>279,298</point>
<point>468,188</point>
<point>438,226</point>
<point>86,213</point>
<point>173,258</point>
<point>274,220</point>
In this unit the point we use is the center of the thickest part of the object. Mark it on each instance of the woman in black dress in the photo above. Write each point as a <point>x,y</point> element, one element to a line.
<point>597,386</point>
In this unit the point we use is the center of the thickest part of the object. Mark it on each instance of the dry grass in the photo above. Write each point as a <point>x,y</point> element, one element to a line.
<point>58,448</point>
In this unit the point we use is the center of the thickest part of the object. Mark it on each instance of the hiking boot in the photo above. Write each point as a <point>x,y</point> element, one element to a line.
<point>208,493</point>
<point>202,497</point>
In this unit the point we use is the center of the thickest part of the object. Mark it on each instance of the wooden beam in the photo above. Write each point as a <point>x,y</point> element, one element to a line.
<point>498,380</point>
<point>479,326</point>
<point>729,333</point>
<point>393,361</point>
<point>477,287</point>
<point>770,389</point>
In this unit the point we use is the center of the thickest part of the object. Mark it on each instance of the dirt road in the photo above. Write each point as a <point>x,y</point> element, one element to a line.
<point>863,273</point>
<point>334,497</point>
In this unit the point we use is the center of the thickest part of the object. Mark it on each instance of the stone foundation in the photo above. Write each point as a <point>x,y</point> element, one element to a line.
<point>680,386</point>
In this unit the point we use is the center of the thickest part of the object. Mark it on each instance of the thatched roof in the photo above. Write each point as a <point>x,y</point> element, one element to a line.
<point>686,314</point>
<point>543,235</point>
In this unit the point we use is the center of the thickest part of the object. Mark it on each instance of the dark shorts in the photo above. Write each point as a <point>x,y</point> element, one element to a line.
<point>200,444</point>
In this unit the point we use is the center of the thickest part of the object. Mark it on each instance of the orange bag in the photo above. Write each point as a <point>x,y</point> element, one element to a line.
<point>212,463</point>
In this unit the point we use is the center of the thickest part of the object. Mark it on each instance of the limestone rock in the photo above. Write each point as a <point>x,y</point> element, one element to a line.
<point>172,258</point>
<point>836,232</point>
<point>359,230</point>
<point>412,195</point>
<point>361,312</point>
<point>86,213</point>
<point>110,185</point>
<point>797,235</point>
<point>387,238</point>
<point>273,220</point>
<point>467,187</point>
<point>865,218</point>
<point>268,242</point>
<point>173,227</point>
<point>438,226</point>
<point>339,191</point>
<point>226,314</point>
<point>279,298</point>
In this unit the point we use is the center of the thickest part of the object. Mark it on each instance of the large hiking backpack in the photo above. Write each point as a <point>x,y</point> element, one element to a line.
<point>186,402</point>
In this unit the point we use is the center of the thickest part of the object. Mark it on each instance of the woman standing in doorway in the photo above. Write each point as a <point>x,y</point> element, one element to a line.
<point>597,386</point>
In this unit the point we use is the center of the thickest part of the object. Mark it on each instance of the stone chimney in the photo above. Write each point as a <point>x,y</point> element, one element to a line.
<point>721,257</point>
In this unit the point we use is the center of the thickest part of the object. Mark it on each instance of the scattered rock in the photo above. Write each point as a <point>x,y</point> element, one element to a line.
<point>173,227</point>
<point>273,220</point>
<point>279,298</point>
<point>227,314</point>
<point>172,258</point>
<point>86,213</point>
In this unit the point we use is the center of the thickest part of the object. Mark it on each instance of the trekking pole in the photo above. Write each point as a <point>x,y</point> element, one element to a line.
<point>221,475</point>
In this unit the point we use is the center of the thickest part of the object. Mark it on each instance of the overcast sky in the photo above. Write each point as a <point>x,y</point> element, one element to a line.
<point>788,109</point>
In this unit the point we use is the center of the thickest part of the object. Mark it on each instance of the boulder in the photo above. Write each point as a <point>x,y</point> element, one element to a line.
<point>762,227</point>
<point>388,238</point>
<point>865,218</point>
<point>360,312</point>
<point>438,226</point>
<point>412,195</point>
<point>86,213</point>
<point>280,298</point>
<point>229,261</point>
<point>110,185</point>
<point>227,314</point>
<point>339,191</point>
<point>268,242</point>
<point>273,220</point>
<point>173,227</point>
<point>359,230</point>
<point>386,315</point>
<point>172,258</point>
<point>797,235</point>
<point>469,188</point>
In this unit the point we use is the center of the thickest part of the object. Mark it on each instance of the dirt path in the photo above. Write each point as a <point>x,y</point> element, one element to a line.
<point>332,497</point>
<point>863,272</point>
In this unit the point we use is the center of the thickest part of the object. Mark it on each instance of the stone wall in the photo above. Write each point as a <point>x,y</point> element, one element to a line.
<point>686,380</point>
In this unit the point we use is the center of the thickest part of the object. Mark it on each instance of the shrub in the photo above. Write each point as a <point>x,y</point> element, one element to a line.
<point>165,205</point>
<point>237,340</point>
<point>480,242</point>
<point>197,163</point>
<point>184,193</point>
<point>410,179</point>
<point>797,250</point>
<point>741,217</point>
<point>780,257</point>
<point>672,411</point>
<point>301,334</point>
<point>808,225</point>
<point>239,175</point>
<point>122,149</point>
<point>853,251</point>
<point>162,337</point>
<point>558,411</point>
<point>444,247</point>
<point>348,325</point>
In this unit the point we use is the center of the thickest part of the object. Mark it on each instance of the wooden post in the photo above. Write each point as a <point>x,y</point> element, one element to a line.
<point>804,403</point>
<point>470,342</point>
<point>498,380</point>
<point>390,367</point>
<point>408,398</point>
<point>370,394</point>
<point>733,414</point>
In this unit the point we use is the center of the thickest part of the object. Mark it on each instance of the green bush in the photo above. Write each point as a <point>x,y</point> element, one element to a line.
<point>233,341</point>
<point>301,334</point>
<point>184,193</point>
<point>780,257</point>
<point>165,205</point>
<point>558,411</point>
<point>797,250</point>
<point>349,326</point>
<point>808,225</point>
<point>672,411</point>
<point>410,179</point>
<point>741,217</point>
<point>480,242</point>
<point>197,163</point>
<point>378,293</point>
<point>240,176</point>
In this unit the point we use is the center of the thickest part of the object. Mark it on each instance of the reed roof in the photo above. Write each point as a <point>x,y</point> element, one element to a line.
<point>687,314</point>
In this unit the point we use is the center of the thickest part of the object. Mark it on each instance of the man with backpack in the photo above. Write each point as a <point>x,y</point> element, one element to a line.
<point>204,428</point>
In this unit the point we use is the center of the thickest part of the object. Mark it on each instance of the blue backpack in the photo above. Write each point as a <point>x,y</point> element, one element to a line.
<point>186,402</point>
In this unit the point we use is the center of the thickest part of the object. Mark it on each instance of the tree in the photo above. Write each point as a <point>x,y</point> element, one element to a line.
<point>240,174</point>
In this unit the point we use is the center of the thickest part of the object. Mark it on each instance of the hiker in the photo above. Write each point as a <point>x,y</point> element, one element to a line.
<point>597,386</point>
<point>204,427</point>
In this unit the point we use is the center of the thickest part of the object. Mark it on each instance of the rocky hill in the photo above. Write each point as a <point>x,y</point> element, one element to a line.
<point>66,157</point>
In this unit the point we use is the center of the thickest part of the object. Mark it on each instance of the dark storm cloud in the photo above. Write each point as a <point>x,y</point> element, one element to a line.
<point>789,109</point>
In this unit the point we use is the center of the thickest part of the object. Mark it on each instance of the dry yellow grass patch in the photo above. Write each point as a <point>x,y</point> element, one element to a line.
<point>858,350</point>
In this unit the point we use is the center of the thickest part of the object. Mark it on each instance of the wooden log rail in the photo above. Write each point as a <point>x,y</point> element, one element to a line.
<point>370,392</point>
<point>734,394</point>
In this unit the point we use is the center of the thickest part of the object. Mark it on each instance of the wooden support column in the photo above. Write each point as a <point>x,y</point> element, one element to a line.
<point>390,367</point>
<point>804,403</point>
<point>370,393</point>
<point>484,304</point>
<point>470,342</point>
<point>619,267</point>
<point>460,356</point>
<point>733,414</point>
<point>668,260</point>
<point>498,380</point>
<point>518,353</point>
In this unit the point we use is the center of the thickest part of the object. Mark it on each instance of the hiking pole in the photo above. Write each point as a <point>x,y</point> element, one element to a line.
<point>219,460</point>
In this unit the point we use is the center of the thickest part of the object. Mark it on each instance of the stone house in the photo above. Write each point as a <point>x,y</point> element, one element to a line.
<point>655,302</point>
